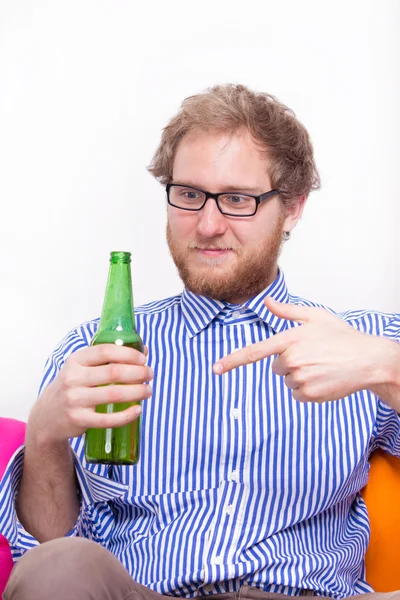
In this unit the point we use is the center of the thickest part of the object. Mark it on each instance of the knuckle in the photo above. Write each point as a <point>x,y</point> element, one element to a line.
<point>253,354</point>
<point>74,419</point>
<point>68,377</point>
<point>126,416</point>
<point>297,378</point>
<point>290,364</point>
<point>298,396</point>
<point>310,393</point>
<point>144,374</point>
<point>137,374</point>
<point>71,397</point>
<point>139,392</point>
<point>72,359</point>
<point>103,421</point>
<point>114,393</point>
<point>117,419</point>
<point>146,391</point>
<point>115,372</point>
<point>104,352</point>
<point>137,356</point>
<point>291,361</point>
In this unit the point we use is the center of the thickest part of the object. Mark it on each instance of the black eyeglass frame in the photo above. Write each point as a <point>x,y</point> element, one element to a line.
<point>259,199</point>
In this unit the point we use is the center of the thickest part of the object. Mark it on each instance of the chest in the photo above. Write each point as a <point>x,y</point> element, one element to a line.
<point>200,430</point>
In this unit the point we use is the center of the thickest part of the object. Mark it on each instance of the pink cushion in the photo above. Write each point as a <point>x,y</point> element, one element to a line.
<point>12,435</point>
<point>6,563</point>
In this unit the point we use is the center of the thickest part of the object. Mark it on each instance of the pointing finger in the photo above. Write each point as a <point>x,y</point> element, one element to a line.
<point>294,312</point>
<point>250,354</point>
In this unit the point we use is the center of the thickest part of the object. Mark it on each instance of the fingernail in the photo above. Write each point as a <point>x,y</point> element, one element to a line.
<point>218,368</point>
<point>149,390</point>
<point>141,359</point>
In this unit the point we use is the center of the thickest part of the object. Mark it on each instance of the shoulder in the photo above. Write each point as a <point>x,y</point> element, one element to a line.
<point>77,338</point>
<point>159,306</point>
<point>81,336</point>
<point>368,321</point>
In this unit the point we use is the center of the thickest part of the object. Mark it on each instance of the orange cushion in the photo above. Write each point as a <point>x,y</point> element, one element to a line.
<point>382,497</point>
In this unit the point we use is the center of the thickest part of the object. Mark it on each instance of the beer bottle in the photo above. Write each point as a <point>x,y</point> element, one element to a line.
<point>119,445</point>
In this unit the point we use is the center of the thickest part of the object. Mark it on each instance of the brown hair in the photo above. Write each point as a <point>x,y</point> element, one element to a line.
<point>273,126</point>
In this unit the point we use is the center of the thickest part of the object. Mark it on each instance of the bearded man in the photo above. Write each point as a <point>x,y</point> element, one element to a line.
<point>263,411</point>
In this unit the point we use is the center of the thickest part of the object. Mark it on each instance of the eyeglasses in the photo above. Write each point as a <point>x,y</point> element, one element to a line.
<point>186,197</point>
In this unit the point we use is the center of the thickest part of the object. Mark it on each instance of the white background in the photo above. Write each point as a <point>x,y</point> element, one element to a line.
<point>85,89</point>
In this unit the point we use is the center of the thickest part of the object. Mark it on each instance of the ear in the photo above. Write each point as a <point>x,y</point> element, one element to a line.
<point>294,213</point>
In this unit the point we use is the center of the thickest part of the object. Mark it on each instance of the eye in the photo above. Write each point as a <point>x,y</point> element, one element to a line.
<point>187,193</point>
<point>236,199</point>
<point>190,194</point>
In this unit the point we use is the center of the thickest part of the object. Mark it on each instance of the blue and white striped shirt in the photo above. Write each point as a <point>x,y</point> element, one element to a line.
<point>237,483</point>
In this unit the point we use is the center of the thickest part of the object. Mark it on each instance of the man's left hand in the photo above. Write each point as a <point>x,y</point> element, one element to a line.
<point>324,359</point>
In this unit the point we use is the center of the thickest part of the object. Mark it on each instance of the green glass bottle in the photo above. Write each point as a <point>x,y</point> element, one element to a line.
<point>119,445</point>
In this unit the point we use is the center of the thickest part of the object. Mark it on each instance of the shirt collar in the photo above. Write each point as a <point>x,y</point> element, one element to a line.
<point>199,311</point>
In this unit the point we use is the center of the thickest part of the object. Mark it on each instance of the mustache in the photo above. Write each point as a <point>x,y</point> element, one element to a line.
<point>210,246</point>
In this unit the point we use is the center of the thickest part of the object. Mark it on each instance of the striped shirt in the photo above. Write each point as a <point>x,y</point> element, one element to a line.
<point>237,483</point>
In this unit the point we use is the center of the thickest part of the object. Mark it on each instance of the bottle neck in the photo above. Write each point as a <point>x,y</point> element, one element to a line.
<point>118,303</point>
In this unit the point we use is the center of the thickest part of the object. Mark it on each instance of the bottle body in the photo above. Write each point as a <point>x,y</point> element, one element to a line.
<point>119,445</point>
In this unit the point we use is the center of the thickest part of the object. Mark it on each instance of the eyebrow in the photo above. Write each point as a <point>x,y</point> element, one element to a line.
<point>225,188</point>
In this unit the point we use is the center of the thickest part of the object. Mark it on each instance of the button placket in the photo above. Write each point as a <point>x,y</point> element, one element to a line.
<point>233,476</point>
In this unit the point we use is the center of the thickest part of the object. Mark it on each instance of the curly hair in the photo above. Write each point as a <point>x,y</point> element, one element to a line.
<point>273,126</point>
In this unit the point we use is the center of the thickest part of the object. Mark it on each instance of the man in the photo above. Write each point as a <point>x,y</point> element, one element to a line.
<point>249,481</point>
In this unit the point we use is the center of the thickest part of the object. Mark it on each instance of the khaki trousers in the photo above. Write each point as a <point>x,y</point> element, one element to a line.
<point>78,569</point>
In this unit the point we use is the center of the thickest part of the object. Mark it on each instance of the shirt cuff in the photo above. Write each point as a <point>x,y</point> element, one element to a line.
<point>96,487</point>
<point>93,488</point>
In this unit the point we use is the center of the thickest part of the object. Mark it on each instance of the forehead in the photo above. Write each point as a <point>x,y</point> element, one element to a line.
<point>217,160</point>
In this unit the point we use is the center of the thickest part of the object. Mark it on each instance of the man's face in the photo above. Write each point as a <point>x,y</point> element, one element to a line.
<point>223,257</point>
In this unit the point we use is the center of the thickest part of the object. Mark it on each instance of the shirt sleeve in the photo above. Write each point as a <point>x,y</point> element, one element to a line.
<point>96,488</point>
<point>387,426</point>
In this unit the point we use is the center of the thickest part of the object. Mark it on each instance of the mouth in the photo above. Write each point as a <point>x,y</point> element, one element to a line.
<point>213,251</point>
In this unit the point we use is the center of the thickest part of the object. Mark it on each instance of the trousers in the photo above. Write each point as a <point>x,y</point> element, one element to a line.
<point>79,569</point>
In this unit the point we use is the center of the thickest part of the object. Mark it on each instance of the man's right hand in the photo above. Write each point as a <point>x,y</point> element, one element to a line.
<point>66,408</point>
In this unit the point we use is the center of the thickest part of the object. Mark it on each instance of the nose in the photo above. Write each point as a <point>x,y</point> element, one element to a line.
<point>211,222</point>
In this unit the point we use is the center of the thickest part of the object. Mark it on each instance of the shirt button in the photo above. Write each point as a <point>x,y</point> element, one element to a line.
<point>229,509</point>
<point>234,476</point>
<point>236,314</point>
<point>217,560</point>
<point>235,413</point>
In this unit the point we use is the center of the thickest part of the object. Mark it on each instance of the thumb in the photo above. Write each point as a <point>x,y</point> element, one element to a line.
<point>291,312</point>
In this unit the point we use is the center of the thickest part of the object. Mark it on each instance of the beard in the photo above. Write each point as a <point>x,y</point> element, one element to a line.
<point>247,277</point>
